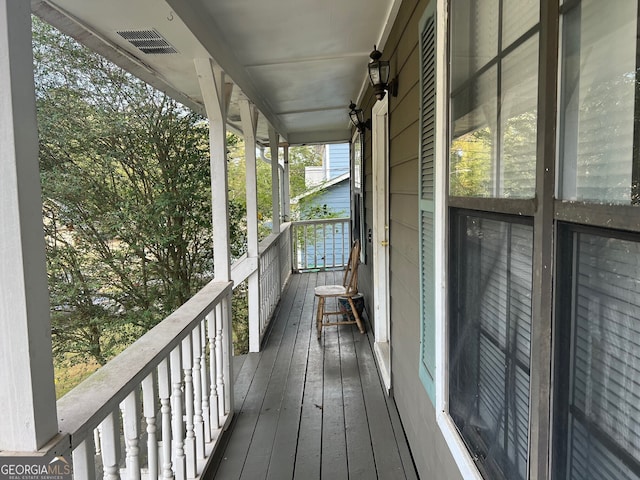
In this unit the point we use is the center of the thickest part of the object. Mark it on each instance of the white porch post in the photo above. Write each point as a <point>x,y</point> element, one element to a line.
<point>275,194</point>
<point>275,179</point>
<point>249,115</point>
<point>27,392</point>
<point>286,200</point>
<point>216,94</point>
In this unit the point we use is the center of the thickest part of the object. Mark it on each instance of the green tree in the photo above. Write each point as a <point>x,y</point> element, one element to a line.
<point>300,157</point>
<point>126,195</point>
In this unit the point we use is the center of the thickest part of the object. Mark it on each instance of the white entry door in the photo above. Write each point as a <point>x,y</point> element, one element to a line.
<point>380,157</point>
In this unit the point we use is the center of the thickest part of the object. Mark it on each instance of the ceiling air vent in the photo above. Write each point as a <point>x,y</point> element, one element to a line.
<point>148,41</point>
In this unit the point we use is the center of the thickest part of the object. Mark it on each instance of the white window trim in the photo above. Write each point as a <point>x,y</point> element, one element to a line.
<point>380,162</point>
<point>458,449</point>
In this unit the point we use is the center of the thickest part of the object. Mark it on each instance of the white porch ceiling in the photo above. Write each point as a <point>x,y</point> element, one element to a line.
<point>299,61</point>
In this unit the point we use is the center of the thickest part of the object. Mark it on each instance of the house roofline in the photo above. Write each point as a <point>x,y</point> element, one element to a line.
<point>322,186</point>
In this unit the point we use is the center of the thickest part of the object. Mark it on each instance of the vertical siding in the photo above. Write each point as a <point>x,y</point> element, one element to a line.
<point>429,449</point>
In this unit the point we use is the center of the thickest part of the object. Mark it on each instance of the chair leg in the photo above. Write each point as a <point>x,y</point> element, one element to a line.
<point>355,314</point>
<point>320,316</point>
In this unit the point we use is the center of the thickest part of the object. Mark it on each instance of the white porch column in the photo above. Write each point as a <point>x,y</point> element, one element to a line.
<point>249,115</point>
<point>27,392</point>
<point>286,200</point>
<point>216,94</point>
<point>275,179</point>
<point>275,193</point>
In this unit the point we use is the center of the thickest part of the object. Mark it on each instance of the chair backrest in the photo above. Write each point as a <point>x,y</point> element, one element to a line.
<point>350,280</point>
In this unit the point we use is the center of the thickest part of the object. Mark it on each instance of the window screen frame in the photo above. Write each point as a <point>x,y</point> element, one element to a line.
<point>487,468</point>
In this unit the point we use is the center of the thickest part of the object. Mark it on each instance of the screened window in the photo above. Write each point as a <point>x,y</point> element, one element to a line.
<point>599,102</point>
<point>598,401</point>
<point>494,77</point>
<point>490,330</point>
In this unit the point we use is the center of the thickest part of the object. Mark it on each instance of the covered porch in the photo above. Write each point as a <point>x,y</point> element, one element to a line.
<point>311,409</point>
<point>162,407</point>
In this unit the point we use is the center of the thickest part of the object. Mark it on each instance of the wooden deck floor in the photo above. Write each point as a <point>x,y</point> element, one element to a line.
<point>309,409</point>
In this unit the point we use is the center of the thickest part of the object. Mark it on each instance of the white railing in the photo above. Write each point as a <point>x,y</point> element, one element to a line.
<point>286,255</point>
<point>273,267</point>
<point>167,398</point>
<point>320,244</point>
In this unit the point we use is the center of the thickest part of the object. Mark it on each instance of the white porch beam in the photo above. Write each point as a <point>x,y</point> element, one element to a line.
<point>275,179</point>
<point>286,194</point>
<point>249,116</point>
<point>216,94</point>
<point>27,392</point>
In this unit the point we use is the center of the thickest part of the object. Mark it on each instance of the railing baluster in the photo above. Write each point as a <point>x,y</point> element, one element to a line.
<point>84,462</point>
<point>306,247</point>
<point>213,371</point>
<point>149,402</point>
<point>164,392</point>
<point>190,437</point>
<point>111,446</point>
<point>96,440</point>
<point>219,361</point>
<point>131,423</point>
<point>177,410</point>
<point>227,353</point>
<point>198,422</point>
<point>204,382</point>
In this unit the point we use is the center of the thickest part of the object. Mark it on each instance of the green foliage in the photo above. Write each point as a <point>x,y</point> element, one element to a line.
<point>299,158</point>
<point>127,203</point>
<point>477,170</point>
<point>471,160</point>
<point>126,195</point>
<point>237,179</point>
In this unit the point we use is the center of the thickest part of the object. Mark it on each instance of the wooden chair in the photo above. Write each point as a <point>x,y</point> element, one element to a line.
<point>348,289</point>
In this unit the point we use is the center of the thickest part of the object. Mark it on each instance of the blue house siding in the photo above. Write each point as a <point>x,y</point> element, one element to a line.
<point>337,159</point>
<point>334,200</point>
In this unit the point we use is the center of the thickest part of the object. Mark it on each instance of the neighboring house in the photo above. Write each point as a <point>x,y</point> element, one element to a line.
<point>335,162</point>
<point>499,198</point>
<point>328,197</point>
<point>329,191</point>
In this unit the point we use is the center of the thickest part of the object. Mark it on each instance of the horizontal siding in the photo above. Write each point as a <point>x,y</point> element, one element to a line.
<point>404,209</point>
<point>338,159</point>
<point>405,146</point>
<point>336,198</point>
<point>429,449</point>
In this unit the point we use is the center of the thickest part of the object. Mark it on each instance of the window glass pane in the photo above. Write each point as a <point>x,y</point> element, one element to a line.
<point>357,162</point>
<point>598,97</point>
<point>474,127</point>
<point>518,116</point>
<point>494,100</point>
<point>475,36</point>
<point>518,16</point>
<point>602,405</point>
<point>490,341</point>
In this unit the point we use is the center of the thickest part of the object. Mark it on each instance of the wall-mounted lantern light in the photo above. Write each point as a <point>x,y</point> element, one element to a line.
<point>357,118</point>
<point>379,75</point>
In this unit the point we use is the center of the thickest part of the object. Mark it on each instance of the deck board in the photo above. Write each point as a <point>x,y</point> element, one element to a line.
<point>309,409</point>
